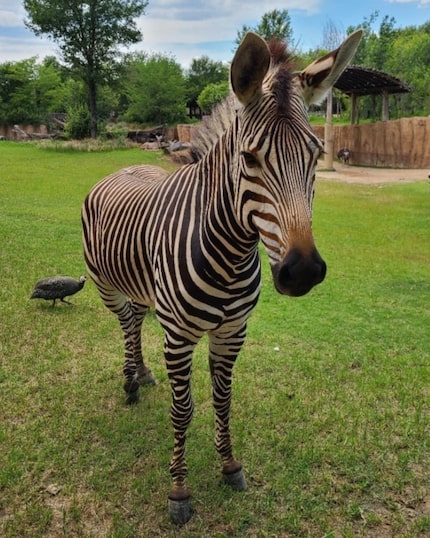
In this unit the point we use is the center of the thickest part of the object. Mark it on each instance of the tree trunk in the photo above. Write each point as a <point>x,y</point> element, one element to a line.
<point>92,105</point>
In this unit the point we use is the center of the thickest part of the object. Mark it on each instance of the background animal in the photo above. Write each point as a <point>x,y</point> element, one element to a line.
<point>344,154</point>
<point>57,287</point>
<point>156,144</point>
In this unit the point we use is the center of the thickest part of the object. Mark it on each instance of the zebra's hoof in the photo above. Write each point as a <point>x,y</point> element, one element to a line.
<point>236,480</point>
<point>132,397</point>
<point>146,379</point>
<point>180,511</point>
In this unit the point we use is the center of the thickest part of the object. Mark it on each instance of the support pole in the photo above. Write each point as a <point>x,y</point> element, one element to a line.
<point>328,133</point>
<point>385,112</point>
<point>354,111</point>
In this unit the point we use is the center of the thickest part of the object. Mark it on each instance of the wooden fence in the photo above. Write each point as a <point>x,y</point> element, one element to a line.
<point>9,132</point>
<point>403,143</point>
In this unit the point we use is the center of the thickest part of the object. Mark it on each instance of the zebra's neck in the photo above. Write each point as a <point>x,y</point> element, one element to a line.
<point>214,198</point>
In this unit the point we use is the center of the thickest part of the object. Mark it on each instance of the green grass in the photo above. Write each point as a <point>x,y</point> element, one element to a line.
<point>331,395</point>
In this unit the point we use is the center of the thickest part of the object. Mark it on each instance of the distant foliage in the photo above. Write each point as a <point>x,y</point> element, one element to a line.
<point>403,53</point>
<point>154,90</point>
<point>273,24</point>
<point>203,72</point>
<point>213,94</point>
<point>89,35</point>
<point>29,90</point>
<point>78,123</point>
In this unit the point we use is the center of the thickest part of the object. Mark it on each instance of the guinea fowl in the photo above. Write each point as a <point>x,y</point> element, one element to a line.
<point>57,287</point>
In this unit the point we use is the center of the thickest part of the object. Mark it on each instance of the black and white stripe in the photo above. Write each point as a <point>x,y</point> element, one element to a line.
<point>186,243</point>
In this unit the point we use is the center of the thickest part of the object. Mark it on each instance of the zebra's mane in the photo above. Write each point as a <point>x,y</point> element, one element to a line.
<point>211,128</point>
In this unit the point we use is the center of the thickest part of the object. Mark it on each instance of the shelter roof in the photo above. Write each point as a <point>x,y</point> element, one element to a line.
<point>360,80</point>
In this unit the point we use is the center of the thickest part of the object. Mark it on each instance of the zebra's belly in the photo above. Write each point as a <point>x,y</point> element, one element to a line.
<point>189,306</point>
<point>138,291</point>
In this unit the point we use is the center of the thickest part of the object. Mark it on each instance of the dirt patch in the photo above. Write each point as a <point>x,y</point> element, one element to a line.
<point>368,175</point>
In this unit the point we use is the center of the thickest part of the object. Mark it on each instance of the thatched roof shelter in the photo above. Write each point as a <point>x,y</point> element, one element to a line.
<point>356,81</point>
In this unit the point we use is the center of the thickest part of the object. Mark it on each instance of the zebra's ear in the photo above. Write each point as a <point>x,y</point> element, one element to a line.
<point>249,67</point>
<point>320,75</point>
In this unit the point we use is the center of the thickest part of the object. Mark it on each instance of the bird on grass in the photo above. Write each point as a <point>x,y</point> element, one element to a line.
<point>57,287</point>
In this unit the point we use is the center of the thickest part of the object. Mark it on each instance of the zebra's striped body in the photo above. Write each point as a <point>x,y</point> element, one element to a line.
<point>187,243</point>
<point>209,270</point>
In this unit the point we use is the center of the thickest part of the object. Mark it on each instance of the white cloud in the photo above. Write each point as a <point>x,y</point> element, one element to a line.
<point>237,11</point>
<point>418,2</point>
<point>168,25</point>
<point>10,18</point>
<point>182,31</point>
<point>182,28</point>
<point>17,49</point>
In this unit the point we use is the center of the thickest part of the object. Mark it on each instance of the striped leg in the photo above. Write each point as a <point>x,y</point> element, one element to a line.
<point>178,355</point>
<point>143,373</point>
<point>130,316</point>
<point>222,356</point>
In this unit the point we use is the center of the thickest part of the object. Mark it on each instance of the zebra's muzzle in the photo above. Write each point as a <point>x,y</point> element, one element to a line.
<point>298,273</point>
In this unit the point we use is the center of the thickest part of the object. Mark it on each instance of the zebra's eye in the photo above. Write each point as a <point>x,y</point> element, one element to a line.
<point>317,148</point>
<point>250,160</point>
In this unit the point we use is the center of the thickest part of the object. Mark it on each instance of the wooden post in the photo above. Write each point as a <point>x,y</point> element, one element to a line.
<point>354,114</point>
<point>385,112</point>
<point>328,133</point>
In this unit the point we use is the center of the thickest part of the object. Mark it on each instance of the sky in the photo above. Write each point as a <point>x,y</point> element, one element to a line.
<point>187,29</point>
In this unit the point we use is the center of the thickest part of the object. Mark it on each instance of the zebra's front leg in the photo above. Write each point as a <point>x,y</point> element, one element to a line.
<point>178,356</point>
<point>222,356</point>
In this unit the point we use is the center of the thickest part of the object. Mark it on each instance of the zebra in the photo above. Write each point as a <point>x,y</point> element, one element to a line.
<point>187,243</point>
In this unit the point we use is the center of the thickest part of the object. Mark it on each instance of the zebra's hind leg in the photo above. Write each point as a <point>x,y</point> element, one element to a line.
<point>136,373</point>
<point>143,373</point>
<point>130,316</point>
<point>222,356</point>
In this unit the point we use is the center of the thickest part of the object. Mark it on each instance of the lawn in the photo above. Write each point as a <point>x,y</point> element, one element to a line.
<point>331,398</point>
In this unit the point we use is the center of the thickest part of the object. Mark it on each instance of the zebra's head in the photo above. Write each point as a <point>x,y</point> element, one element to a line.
<point>277,151</point>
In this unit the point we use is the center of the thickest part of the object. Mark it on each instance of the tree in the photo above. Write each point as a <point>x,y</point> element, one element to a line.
<point>403,53</point>
<point>213,94</point>
<point>29,91</point>
<point>16,92</point>
<point>203,71</point>
<point>379,45</point>
<point>273,24</point>
<point>409,60</point>
<point>367,38</point>
<point>89,34</point>
<point>47,87</point>
<point>154,86</point>
<point>332,36</point>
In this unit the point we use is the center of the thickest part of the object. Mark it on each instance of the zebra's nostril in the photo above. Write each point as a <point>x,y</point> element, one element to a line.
<point>297,274</point>
<point>284,275</point>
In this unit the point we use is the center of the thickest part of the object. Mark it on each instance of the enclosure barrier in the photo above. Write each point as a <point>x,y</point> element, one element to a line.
<point>403,143</point>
